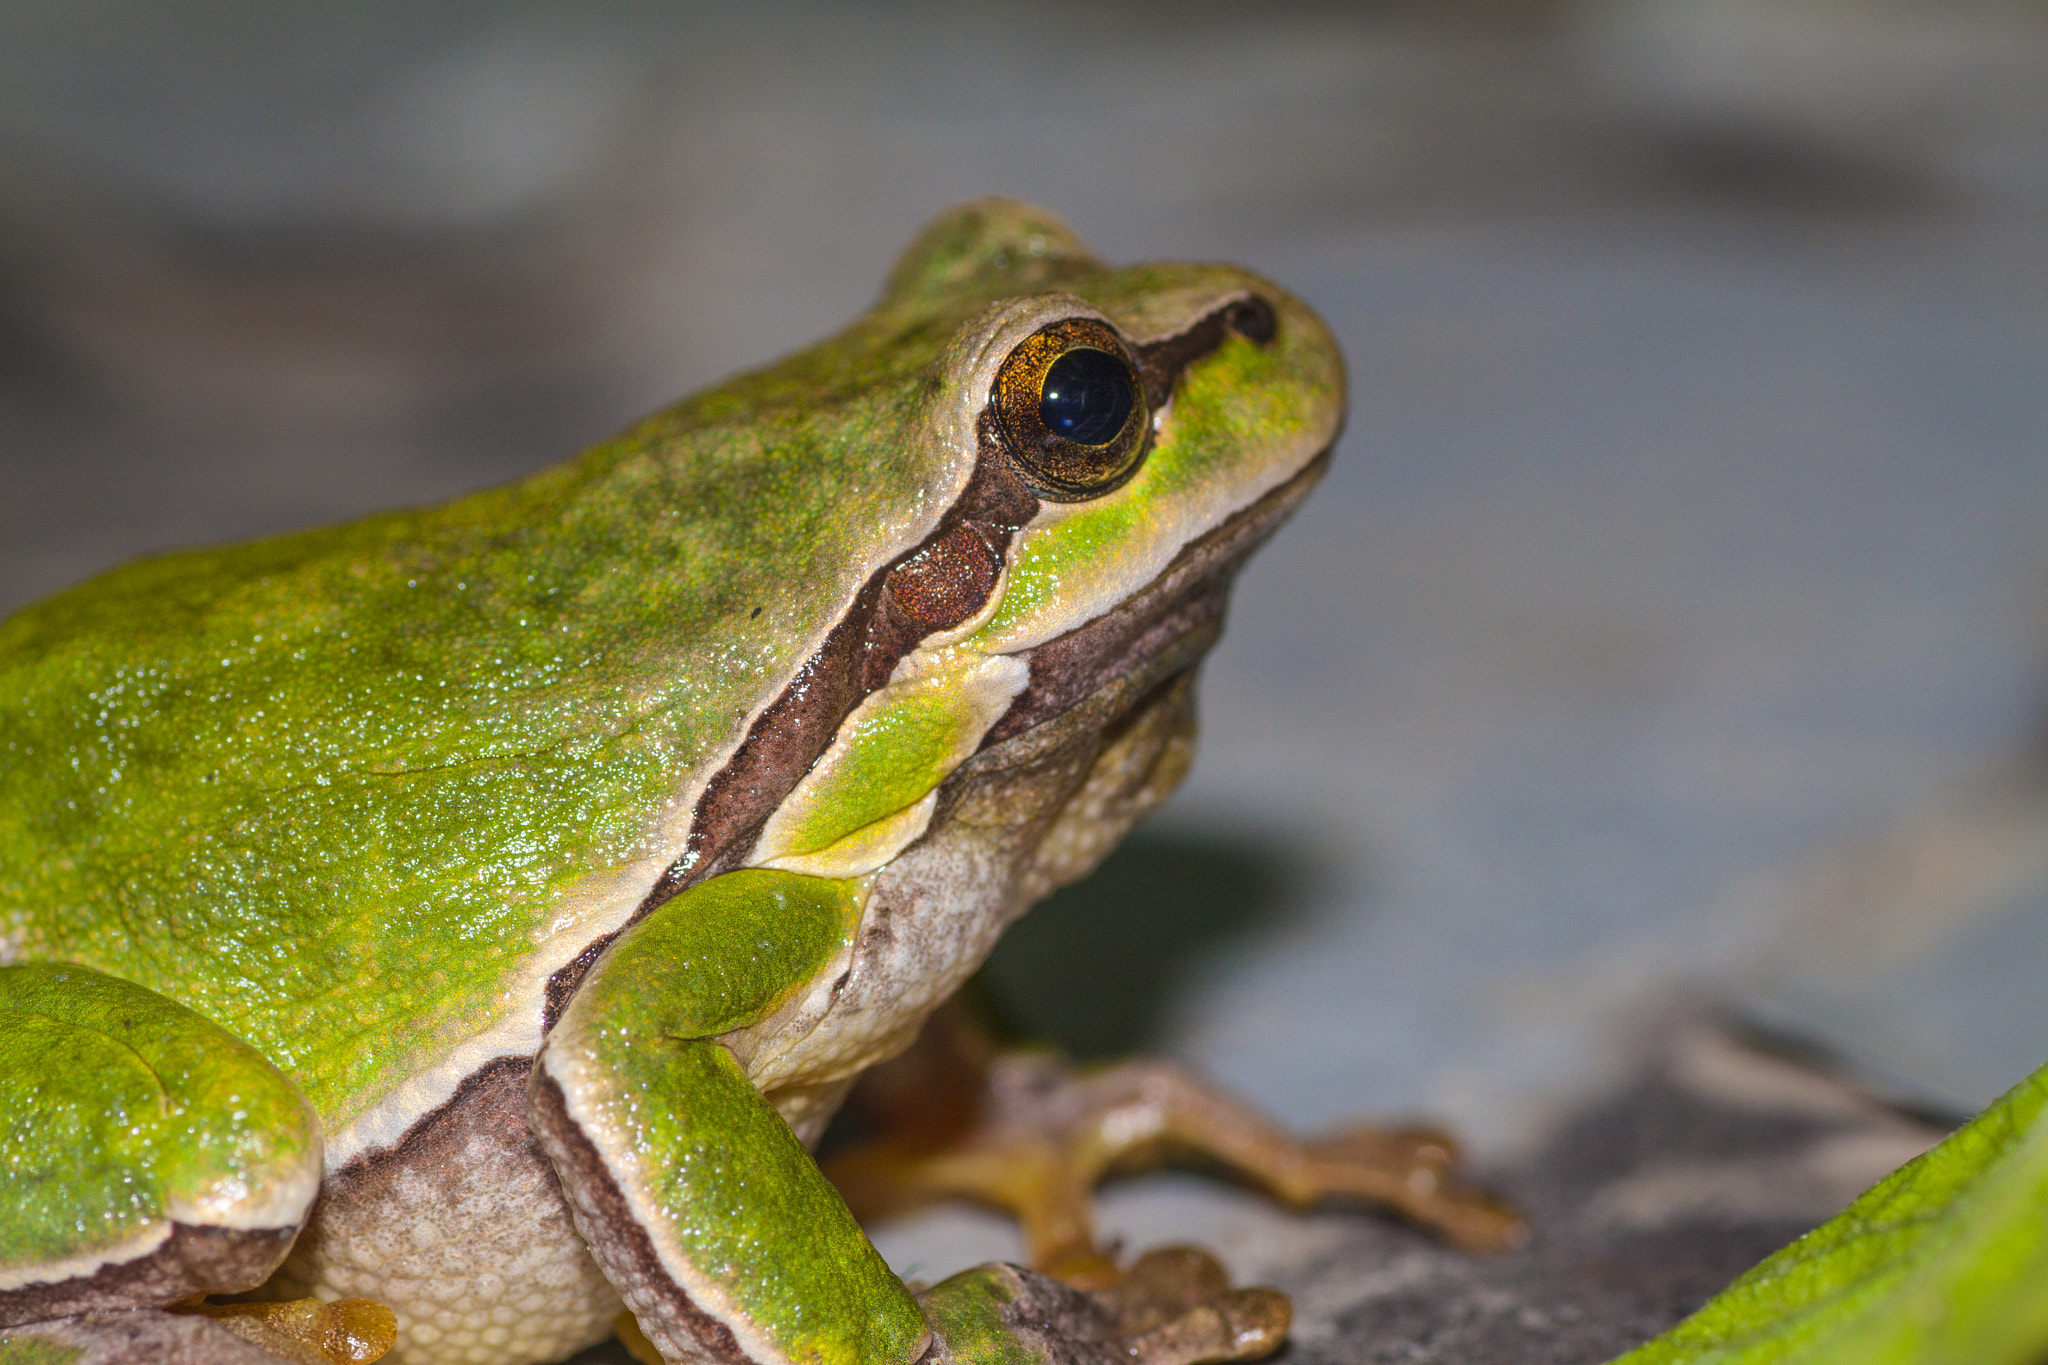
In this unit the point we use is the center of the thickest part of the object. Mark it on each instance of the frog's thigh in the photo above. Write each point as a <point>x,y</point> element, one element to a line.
<point>701,1206</point>
<point>148,1155</point>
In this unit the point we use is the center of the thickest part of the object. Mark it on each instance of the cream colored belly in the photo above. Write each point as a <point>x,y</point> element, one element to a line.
<point>1015,822</point>
<point>467,1240</point>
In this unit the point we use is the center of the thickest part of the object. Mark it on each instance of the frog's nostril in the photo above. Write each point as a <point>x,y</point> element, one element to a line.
<point>1252,318</point>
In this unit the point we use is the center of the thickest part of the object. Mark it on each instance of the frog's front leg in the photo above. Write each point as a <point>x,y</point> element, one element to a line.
<point>712,1221</point>
<point>1031,1133</point>
<point>149,1157</point>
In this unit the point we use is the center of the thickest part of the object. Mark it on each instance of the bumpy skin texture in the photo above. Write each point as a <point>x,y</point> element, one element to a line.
<point>388,800</point>
<point>462,1231</point>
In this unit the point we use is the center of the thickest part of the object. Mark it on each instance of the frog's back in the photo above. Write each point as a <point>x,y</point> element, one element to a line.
<point>333,788</point>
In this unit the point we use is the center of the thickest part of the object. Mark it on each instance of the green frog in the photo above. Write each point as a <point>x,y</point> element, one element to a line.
<point>447,933</point>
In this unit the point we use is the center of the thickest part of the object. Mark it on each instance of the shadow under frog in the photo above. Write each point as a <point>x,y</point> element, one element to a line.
<point>1095,967</point>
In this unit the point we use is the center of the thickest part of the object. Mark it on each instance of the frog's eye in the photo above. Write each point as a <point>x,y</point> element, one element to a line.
<point>1071,409</point>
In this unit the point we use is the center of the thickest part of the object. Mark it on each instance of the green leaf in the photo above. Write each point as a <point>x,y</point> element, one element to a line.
<point>1943,1262</point>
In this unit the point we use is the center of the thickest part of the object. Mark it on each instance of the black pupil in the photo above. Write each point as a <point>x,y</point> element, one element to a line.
<point>1087,397</point>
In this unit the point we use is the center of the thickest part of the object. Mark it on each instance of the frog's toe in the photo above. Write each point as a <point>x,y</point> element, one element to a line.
<point>136,1336</point>
<point>1043,1132</point>
<point>1174,1307</point>
<point>1243,1324</point>
<point>310,1331</point>
<point>1414,1170</point>
<point>1161,1285</point>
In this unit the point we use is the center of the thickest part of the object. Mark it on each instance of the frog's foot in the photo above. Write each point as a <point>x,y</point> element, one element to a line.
<point>1174,1306</point>
<point>293,1332</point>
<point>132,1336</point>
<point>1046,1132</point>
<point>309,1331</point>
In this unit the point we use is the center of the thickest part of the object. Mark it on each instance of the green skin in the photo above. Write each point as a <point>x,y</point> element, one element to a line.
<point>121,1102</point>
<point>715,1173</point>
<point>348,796</point>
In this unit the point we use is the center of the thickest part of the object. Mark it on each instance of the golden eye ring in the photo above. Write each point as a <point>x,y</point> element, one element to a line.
<point>1070,405</point>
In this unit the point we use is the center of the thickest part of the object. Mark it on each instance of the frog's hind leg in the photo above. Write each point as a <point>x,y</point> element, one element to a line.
<point>1037,1133</point>
<point>151,1155</point>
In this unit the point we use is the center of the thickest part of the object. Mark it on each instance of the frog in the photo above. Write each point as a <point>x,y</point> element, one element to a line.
<point>445,936</point>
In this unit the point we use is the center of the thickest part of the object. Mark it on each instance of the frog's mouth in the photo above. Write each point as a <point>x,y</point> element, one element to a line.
<point>1163,629</point>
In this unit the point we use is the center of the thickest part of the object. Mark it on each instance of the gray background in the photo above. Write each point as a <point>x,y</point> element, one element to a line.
<point>1668,629</point>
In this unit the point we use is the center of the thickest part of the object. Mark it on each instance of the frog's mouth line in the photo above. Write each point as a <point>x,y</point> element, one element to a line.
<point>1162,629</point>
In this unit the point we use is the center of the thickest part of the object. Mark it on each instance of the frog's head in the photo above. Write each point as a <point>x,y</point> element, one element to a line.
<point>1099,448</point>
<point>1164,418</point>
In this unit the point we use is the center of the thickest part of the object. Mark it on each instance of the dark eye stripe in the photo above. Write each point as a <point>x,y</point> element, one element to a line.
<point>948,581</point>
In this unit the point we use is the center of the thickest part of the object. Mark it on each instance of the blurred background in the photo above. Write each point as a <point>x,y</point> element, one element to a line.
<point>1668,634</point>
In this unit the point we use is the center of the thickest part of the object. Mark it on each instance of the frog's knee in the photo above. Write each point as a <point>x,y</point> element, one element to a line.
<point>151,1155</point>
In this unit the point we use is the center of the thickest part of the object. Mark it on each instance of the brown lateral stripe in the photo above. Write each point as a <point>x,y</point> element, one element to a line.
<point>867,644</point>
<point>1162,362</point>
<point>1189,593</point>
<point>788,736</point>
<point>487,1108</point>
